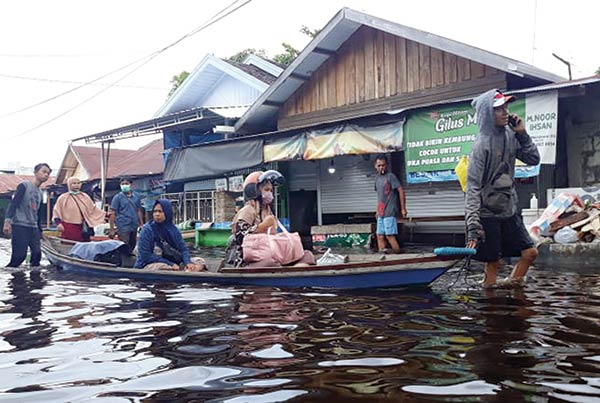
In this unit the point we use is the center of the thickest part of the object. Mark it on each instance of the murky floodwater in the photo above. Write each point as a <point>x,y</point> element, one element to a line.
<point>70,338</point>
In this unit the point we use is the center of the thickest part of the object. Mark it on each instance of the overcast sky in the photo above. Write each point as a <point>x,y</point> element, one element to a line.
<point>51,47</point>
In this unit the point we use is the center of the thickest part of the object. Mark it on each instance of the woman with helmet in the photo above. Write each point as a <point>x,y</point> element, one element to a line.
<point>256,216</point>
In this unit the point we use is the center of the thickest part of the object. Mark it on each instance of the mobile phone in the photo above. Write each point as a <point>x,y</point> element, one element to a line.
<point>512,120</point>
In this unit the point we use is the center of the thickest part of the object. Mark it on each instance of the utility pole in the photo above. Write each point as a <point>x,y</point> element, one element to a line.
<point>565,62</point>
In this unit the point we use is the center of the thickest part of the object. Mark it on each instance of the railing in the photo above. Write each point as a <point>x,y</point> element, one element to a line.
<point>197,206</point>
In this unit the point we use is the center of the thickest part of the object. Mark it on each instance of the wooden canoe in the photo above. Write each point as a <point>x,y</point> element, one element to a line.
<point>361,271</point>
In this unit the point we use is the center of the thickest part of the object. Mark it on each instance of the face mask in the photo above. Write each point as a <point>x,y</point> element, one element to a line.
<point>126,188</point>
<point>267,197</point>
<point>75,192</point>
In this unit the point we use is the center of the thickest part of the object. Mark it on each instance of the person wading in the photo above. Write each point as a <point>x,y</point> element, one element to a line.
<point>22,222</point>
<point>493,225</point>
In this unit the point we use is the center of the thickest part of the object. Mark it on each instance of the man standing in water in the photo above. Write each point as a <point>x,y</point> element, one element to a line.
<point>126,212</point>
<point>391,203</point>
<point>493,225</point>
<point>22,221</point>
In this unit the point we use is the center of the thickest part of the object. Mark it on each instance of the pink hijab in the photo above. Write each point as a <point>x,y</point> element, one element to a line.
<point>74,208</point>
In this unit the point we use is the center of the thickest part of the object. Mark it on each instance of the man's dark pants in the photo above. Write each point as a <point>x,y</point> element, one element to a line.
<point>21,239</point>
<point>130,238</point>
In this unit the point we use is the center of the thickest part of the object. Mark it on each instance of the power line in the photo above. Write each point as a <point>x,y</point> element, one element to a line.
<point>148,57</point>
<point>214,19</point>
<point>50,80</point>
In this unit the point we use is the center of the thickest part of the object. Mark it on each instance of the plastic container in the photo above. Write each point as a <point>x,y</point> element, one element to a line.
<point>533,202</point>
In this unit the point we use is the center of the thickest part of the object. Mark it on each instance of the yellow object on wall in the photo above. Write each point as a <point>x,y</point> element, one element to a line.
<point>461,171</point>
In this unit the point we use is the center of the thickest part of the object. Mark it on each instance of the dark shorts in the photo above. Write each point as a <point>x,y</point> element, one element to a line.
<point>505,237</point>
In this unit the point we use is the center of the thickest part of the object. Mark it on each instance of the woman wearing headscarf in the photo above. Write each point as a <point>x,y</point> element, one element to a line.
<point>256,217</point>
<point>74,208</point>
<point>163,234</point>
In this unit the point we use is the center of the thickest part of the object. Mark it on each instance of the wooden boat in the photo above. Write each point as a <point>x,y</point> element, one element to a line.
<point>361,271</point>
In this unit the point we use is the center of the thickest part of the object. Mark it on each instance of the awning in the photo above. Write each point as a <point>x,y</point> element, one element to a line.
<point>344,139</point>
<point>212,160</point>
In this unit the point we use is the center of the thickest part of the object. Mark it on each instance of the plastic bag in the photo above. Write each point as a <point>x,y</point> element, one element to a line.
<point>329,258</point>
<point>566,235</point>
<point>558,206</point>
<point>461,172</point>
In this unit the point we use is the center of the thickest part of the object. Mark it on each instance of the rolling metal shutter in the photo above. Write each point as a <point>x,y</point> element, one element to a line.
<point>436,203</point>
<point>351,189</point>
<point>302,175</point>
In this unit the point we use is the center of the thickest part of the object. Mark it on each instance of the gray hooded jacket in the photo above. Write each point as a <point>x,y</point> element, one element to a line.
<point>493,146</point>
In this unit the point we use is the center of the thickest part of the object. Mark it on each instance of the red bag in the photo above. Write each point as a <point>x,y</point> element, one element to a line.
<point>283,248</point>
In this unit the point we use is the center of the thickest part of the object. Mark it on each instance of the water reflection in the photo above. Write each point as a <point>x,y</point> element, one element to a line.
<point>27,330</point>
<point>67,337</point>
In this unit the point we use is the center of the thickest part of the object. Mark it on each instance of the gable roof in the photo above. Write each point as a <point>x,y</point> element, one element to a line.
<point>255,72</point>
<point>338,30</point>
<point>206,76</point>
<point>148,159</point>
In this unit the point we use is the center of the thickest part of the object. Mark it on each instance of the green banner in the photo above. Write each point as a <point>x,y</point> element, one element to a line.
<point>436,139</point>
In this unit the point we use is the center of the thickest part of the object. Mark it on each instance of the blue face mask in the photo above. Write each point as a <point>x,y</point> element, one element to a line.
<point>126,188</point>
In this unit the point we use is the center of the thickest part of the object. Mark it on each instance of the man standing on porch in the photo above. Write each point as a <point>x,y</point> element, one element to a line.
<point>391,203</point>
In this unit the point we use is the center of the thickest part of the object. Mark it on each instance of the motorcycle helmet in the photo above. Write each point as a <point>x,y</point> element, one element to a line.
<point>251,186</point>
<point>273,176</point>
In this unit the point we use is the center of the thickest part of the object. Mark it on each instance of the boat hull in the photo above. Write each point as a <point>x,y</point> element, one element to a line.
<point>372,274</point>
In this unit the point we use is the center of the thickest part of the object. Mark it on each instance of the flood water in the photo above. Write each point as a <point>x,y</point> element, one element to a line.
<point>65,337</point>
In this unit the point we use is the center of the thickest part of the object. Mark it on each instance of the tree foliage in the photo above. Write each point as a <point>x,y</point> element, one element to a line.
<point>285,58</point>
<point>290,53</point>
<point>240,56</point>
<point>288,56</point>
<point>598,71</point>
<point>177,80</point>
<point>310,32</point>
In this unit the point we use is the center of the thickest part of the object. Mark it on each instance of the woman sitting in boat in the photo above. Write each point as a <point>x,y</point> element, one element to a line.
<point>162,233</point>
<point>257,217</point>
<point>73,209</point>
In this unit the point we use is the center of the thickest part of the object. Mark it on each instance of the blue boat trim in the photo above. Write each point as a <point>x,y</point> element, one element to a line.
<point>372,274</point>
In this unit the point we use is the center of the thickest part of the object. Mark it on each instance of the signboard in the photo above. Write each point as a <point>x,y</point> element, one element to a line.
<point>221,184</point>
<point>435,139</point>
<point>541,121</point>
<point>236,184</point>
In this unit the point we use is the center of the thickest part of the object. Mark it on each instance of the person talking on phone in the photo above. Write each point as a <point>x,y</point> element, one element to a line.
<point>493,225</point>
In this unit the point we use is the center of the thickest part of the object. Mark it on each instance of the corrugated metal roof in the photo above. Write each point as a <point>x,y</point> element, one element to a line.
<point>143,161</point>
<point>89,159</point>
<point>9,182</point>
<point>156,125</point>
<point>559,85</point>
<point>147,160</point>
<point>337,31</point>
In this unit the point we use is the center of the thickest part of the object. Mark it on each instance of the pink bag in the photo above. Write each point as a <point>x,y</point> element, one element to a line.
<point>283,248</point>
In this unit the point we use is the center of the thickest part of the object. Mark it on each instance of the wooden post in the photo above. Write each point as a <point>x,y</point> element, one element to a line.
<point>102,177</point>
<point>48,198</point>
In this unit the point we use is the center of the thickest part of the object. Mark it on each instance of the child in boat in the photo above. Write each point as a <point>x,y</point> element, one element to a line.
<point>257,217</point>
<point>162,233</point>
